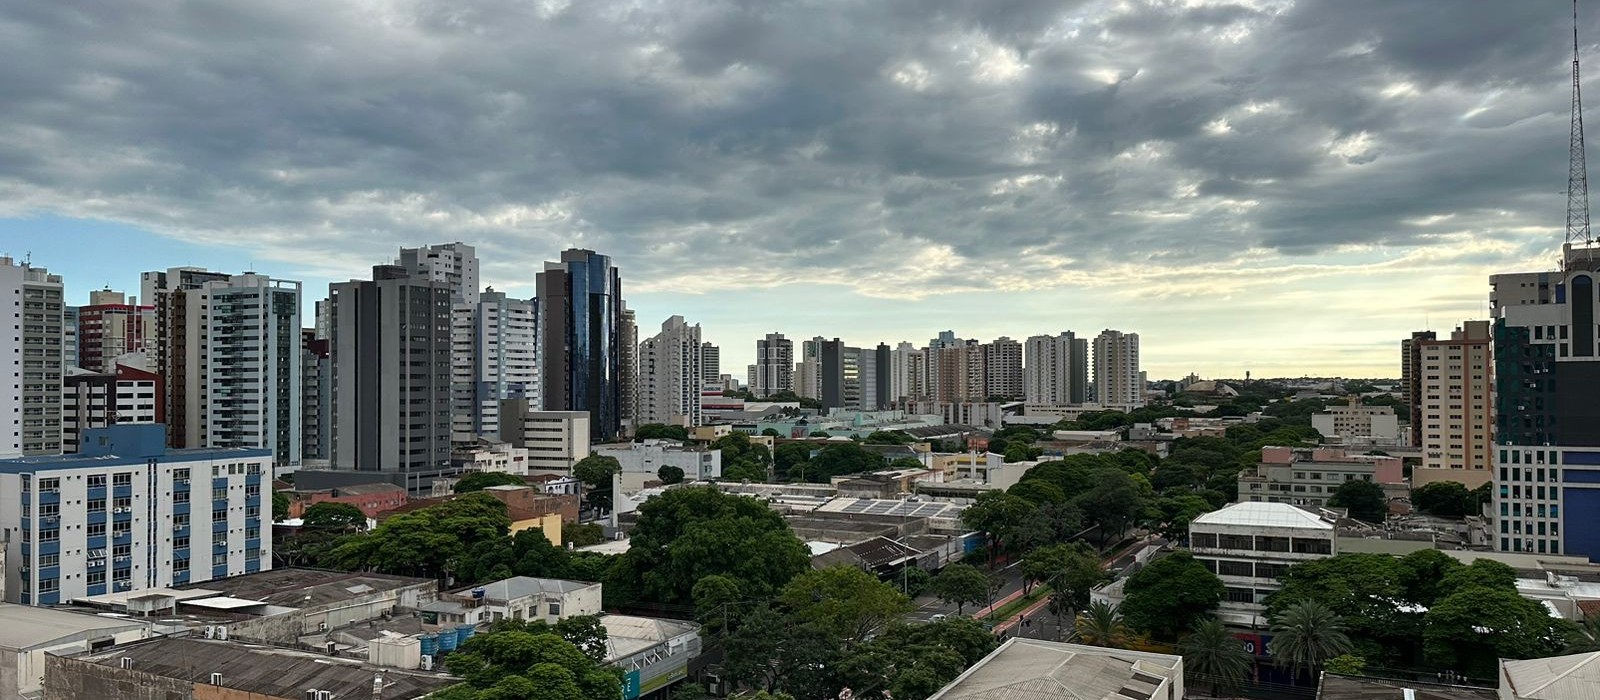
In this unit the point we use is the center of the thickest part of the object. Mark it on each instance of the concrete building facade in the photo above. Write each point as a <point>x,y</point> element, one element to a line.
<point>100,399</point>
<point>390,353</point>
<point>1002,366</point>
<point>30,413</point>
<point>1250,545</point>
<point>453,265</point>
<point>671,375</point>
<point>112,325</point>
<point>127,513</point>
<point>1411,379</point>
<point>1456,384</point>
<point>774,367</point>
<point>555,440</point>
<point>1056,370</point>
<point>1355,422</point>
<point>1311,476</point>
<point>250,383</point>
<point>1117,378</point>
<point>492,358</point>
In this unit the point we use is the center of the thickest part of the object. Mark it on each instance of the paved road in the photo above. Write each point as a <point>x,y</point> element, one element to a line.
<point>928,606</point>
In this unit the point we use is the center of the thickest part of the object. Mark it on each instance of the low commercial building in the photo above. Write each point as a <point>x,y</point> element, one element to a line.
<point>653,653</point>
<point>28,633</point>
<point>515,598</point>
<point>1357,423</point>
<point>1311,476</point>
<point>642,460</point>
<point>205,669</point>
<point>1040,670</point>
<point>490,456</point>
<point>555,440</point>
<point>1249,545</point>
<point>370,499</point>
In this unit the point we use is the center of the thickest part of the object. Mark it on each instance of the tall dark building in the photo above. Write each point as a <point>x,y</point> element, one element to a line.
<point>580,339</point>
<point>833,374</point>
<point>882,398</point>
<point>390,358</point>
<point>1411,379</point>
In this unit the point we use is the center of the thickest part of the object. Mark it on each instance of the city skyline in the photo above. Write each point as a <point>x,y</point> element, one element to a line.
<point>1196,172</point>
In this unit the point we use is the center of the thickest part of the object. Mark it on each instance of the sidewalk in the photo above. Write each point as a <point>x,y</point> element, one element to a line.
<point>1012,622</point>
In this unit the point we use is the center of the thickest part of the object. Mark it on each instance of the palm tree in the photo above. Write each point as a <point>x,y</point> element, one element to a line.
<point>1585,638</point>
<point>1306,634</point>
<point>1211,654</point>
<point>1101,625</point>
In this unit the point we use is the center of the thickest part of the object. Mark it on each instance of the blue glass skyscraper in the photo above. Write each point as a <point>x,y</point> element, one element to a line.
<point>580,339</point>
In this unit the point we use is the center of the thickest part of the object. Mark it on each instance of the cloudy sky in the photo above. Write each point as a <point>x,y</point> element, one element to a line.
<point>1284,187</point>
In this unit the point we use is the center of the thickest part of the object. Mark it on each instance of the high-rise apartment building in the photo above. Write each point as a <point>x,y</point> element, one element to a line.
<point>1056,370</point>
<point>958,373</point>
<point>390,352</point>
<point>710,364</point>
<point>1456,397</point>
<point>110,326</point>
<point>179,346</point>
<point>127,513</point>
<point>249,394</point>
<point>69,336</point>
<point>492,359</point>
<point>808,369</point>
<point>454,265</point>
<point>628,368</point>
<point>316,396</point>
<point>774,367</point>
<point>907,374</point>
<point>1117,379</point>
<point>30,409</point>
<point>582,339</point>
<point>1002,366</point>
<point>126,395</point>
<point>1411,380</point>
<point>1546,495</point>
<point>671,374</point>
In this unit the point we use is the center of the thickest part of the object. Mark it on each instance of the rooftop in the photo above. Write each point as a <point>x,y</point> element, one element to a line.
<point>1572,677</point>
<point>303,588</point>
<point>523,586</point>
<point>1031,669</point>
<point>1336,687</point>
<point>1264,514</point>
<point>26,626</point>
<point>267,671</point>
<point>627,635</point>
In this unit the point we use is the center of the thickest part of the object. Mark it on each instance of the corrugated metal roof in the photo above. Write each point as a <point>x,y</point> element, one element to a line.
<point>1030,669</point>
<point>1263,514</point>
<point>1572,677</point>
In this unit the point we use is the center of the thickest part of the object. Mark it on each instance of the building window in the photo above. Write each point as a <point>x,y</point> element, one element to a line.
<point>122,479</point>
<point>1202,539</point>
<point>97,481</point>
<point>555,609</point>
<point>218,516</point>
<point>180,542</point>
<point>97,529</point>
<point>219,559</point>
<point>180,520</point>
<point>1240,595</point>
<point>1226,567</point>
<point>180,565</point>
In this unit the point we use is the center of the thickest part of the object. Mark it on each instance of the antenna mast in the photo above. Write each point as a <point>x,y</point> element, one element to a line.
<point>1577,169</point>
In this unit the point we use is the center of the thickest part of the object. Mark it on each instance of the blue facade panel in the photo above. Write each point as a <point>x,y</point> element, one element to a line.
<point>1580,522</point>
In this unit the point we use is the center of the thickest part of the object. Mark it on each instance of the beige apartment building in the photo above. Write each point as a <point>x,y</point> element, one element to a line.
<point>1457,406</point>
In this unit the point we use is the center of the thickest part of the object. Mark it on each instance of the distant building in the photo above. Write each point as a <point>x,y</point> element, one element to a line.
<point>555,440</point>
<point>452,265</point>
<point>101,399</point>
<point>100,521</point>
<point>1002,366</point>
<point>30,413</point>
<point>1457,400</point>
<point>653,653</point>
<point>642,460</point>
<point>1357,423</point>
<point>1411,379</point>
<point>671,375</point>
<point>1311,476</point>
<point>490,456</point>
<point>774,368</point>
<point>28,634</point>
<point>1117,378</point>
<point>316,397</point>
<point>370,499</point>
<point>582,340</point>
<point>1056,370</point>
<point>516,598</point>
<point>1041,670</point>
<point>112,325</point>
<point>492,358</point>
<point>1250,545</point>
<point>710,364</point>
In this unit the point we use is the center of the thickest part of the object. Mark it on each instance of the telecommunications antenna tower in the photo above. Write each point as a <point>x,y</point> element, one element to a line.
<point>1577,169</point>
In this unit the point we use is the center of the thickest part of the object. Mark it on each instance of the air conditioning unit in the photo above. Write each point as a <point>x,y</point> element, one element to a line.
<point>185,482</point>
<point>427,662</point>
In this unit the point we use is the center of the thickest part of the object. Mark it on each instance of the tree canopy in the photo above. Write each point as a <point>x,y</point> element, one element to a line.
<point>478,481</point>
<point>845,602</point>
<point>515,661</point>
<point>333,517</point>
<point>1170,595</point>
<point>689,533</point>
<point>659,431</point>
<point>1364,499</point>
<point>960,584</point>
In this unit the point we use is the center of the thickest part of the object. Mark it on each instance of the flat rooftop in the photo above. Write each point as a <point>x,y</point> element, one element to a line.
<point>1264,514</point>
<point>1031,669</point>
<point>27,626</point>
<point>304,588</point>
<point>267,670</point>
<point>1336,687</point>
<point>627,635</point>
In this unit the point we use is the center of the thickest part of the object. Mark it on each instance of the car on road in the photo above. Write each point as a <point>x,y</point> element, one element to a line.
<point>937,617</point>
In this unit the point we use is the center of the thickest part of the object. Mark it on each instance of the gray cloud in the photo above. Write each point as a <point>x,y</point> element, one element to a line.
<point>882,145</point>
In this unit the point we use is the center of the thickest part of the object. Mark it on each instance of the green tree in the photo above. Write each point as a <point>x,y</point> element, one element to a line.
<point>1364,499</point>
<point>582,535</point>
<point>333,517</point>
<point>912,662</point>
<point>1211,655</point>
<point>789,460</point>
<point>1113,503</point>
<point>430,542</point>
<point>1486,573</point>
<point>596,472</point>
<point>1170,595</point>
<point>1446,499</point>
<point>547,666</point>
<point>742,459</point>
<point>659,431</point>
<point>1471,629</point>
<point>771,651</point>
<point>1170,515</point>
<point>999,515</point>
<point>478,481</point>
<point>689,533</point>
<point>669,474</point>
<point>280,506</point>
<point>960,584</point>
<point>1307,634</point>
<point>1071,569</point>
<point>771,432</point>
<point>845,602</point>
<point>1037,491</point>
<point>839,458</point>
<point>887,437</point>
<point>1102,625</point>
<point>712,595</point>
<point>1346,665</point>
<point>1422,575</point>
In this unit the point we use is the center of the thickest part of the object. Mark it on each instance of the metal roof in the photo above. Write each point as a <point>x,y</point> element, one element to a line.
<point>1031,669</point>
<point>1263,514</point>
<point>1572,677</point>
<point>27,627</point>
<point>523,586</point>
<point>1336,687</point>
